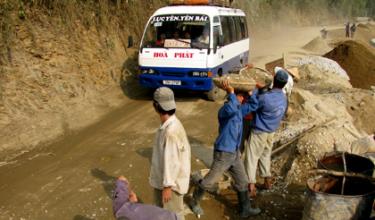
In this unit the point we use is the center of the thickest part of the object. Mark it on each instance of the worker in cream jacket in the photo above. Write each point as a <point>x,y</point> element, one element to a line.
<point>171,156</point>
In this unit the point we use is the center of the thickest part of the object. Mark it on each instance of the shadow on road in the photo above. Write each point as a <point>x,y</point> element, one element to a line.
<point>129,80</point>
<point>107,180</point>
<point>201,151</point>
<point>145,152</point>
<point>81,217</point>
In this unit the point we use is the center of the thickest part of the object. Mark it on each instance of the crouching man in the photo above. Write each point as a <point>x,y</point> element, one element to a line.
<point>126,206</point>
<point>170,165</point>
<point>227,156</point>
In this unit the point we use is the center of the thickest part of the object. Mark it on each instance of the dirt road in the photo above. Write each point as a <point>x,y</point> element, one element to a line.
<point>72,179</point>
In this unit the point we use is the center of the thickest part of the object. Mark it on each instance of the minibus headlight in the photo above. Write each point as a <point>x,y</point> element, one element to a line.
<point>144,71</point>
<point>151,71</point>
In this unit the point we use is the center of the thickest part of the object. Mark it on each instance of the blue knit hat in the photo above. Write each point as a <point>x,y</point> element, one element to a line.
<point>281,76</point>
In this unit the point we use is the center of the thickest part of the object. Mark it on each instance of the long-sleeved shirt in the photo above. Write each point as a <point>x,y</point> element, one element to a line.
<point>123,208</point>
<point>171,157</point>
<point>230,123</point>
<point>269,109</point>
<point>288,86</point>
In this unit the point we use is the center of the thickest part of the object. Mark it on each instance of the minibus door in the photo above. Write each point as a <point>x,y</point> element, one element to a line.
<point>217,45</point>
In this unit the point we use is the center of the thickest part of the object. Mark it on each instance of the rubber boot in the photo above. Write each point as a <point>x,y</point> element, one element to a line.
<point>244,205</point>
<point>194,203</point>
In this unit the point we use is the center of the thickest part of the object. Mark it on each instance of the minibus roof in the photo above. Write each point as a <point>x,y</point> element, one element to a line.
<point>201,9</point>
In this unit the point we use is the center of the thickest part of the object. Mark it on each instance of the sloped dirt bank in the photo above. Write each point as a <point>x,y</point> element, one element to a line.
<point>62,67</point>
<point>358,60</point>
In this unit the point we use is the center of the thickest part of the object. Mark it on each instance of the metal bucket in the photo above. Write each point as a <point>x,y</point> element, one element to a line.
<point>354,163</point>
<point>356,203</point>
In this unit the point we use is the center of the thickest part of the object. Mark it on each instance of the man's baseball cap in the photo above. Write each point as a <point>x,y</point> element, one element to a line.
<point>281,75</point>
<point>165,97</point>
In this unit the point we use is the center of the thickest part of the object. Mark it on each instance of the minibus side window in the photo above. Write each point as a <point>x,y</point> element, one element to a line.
<point>216,36</point>
<point>232,28</point>
<point>225,28</point>
<point>237,21</point>
<point>244,32</point>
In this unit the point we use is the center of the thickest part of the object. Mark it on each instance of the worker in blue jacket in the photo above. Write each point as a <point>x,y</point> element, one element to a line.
<point>227,156</point>
<point>268,108</point>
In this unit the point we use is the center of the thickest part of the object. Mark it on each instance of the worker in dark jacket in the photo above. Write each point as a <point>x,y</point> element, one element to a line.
<point>126,206</point>
<point>270,107</point>
<point>227,156</point>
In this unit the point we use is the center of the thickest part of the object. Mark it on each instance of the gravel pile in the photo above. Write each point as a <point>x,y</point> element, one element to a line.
<point>324,64</point>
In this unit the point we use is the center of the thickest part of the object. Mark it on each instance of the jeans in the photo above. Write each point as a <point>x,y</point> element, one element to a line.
<point>225,161</point>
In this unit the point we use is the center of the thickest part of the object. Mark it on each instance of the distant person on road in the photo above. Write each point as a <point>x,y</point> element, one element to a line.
<point>352,30</point>
<point>170,166</point>
<point>347,29</point>
<point>270,108</point>
<point>323,33</point>
<point>227,156</point>
<point>125,205</point>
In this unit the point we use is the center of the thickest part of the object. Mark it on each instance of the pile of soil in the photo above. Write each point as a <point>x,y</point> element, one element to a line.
<point>365,32</point>
<point>360,104</point>
<point>358,60</point>
<point>317,45</point>
<point>339,113</point>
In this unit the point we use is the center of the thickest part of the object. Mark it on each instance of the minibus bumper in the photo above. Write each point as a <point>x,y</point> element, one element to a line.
<point>187,83</point>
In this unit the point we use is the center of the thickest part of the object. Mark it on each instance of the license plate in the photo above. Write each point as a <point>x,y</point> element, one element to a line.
<point>172,82</point>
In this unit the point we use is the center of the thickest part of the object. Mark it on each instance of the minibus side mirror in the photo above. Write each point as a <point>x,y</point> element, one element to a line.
<point>130,42</point>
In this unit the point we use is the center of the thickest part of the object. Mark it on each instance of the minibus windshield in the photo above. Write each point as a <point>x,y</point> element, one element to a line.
<point>177,31</point>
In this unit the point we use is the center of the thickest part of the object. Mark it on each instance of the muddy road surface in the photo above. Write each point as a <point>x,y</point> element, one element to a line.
<point>73,178</point>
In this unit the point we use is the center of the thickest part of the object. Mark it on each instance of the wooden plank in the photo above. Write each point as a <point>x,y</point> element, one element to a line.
<point>298,136</point>
<point>271,65</point>
<point>342,174</point>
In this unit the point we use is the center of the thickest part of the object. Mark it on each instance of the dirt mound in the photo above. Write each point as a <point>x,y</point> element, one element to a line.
<point>328,114</point>
<point>317,45</point>
<point>358,60</point>
<point>361,106</point>
<point>365,32</point>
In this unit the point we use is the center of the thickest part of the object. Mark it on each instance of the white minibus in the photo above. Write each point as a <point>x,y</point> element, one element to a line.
<point>184,46</point>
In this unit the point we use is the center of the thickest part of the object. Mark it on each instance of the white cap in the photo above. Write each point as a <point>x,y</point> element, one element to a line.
<point>165,97</point>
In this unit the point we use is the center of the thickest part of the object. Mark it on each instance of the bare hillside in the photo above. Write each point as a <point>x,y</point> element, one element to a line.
<point>62,66</point>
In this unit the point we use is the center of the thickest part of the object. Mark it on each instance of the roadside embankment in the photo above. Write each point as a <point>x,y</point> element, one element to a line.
<point>62,67</point>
